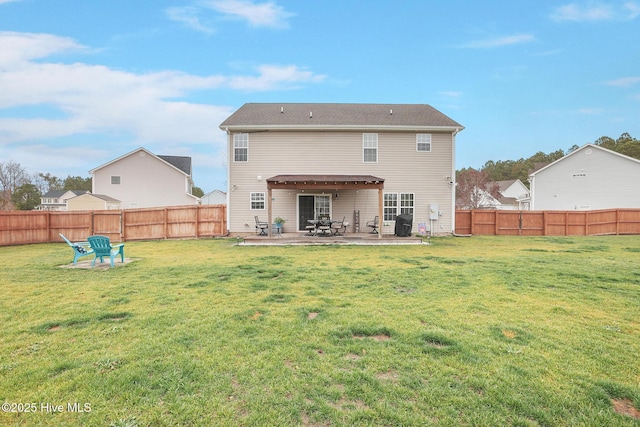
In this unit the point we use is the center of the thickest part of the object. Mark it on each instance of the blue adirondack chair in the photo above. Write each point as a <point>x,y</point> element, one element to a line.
<point>102,247</point>
<point>80,249</point>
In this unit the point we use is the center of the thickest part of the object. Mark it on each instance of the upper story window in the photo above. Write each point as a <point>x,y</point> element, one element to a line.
<point>240,147</point>
<point>115,180</point>
<point>423,142</point>
<point>370,147</point>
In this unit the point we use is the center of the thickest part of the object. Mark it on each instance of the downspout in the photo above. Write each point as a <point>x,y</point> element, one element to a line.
<point>531,181</point>
<point>229,186</point>
<point>453,181</point>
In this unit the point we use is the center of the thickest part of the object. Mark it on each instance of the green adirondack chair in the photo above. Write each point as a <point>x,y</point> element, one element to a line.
<point>102,247</point>
<point>80,249</point>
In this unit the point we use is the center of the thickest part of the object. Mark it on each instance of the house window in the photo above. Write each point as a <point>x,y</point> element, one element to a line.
<point>423,142</point>
<point>115,180</point>
<point>370,147</point>
<point>241,147</point>
<point>390,206</point>
<point>323,206</point>
<point>257,201</point>
<point>395,204</point>
<point>406,204</point>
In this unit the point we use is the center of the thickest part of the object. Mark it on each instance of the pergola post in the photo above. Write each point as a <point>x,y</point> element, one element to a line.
<point>380,213</point>
<point>269,210</point>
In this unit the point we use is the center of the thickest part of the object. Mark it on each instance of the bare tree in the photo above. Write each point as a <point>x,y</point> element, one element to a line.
<point>474,189</point>
<point>12,176</point>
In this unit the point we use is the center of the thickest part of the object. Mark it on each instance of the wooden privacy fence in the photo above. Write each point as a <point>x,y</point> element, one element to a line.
<point>176,222</point>
<point>548,223</point>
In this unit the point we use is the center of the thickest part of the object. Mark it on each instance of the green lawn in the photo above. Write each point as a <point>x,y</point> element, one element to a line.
<point>482,331</point>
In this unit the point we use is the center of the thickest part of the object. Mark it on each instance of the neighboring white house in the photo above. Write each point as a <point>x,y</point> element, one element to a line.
<point>515,195</point>
<point>588,178</point>
<point>140,179</point>
<point>352,161</point>
<point>92,202</point>
<point>216,197</point>
<point>56,200</point>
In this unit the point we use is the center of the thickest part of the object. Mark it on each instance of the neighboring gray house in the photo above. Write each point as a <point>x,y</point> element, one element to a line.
<point>588,178</point>
<point>301,161</point>
<point>216,197</point>
<point>56,200</point>
<point>140,179</point>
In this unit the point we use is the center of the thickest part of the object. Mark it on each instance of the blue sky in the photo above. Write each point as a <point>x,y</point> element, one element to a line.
<point>83,82</point>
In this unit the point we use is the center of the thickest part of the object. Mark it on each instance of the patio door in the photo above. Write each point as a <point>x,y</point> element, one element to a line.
<point>312,207</point>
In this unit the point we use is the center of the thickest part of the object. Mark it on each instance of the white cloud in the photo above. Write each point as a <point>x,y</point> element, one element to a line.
<point>272,77</point>
<point>20,47</point>
<point>623,82</point>
<point>190,16</point>
<point>633,9</point>
<point>499,41</point>
<point>591,12</point>
<point>257,14</point>
<point>94,99</point>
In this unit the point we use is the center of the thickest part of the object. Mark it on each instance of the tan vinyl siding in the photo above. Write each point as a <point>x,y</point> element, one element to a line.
<point>341,152</point>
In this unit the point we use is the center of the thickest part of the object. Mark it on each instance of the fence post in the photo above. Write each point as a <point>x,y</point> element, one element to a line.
<point>586,223</point>
<point>197,221</point>
<point>48,221</point>
<point>122,225</point>
<point>473,221</point>
<point>166,223</point>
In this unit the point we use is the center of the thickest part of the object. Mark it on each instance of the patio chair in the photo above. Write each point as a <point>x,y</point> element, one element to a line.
<point>102,247</point>
<point>374,225</point>
<point>339,227</point>
<point>261,227</point>
<point>324,227</point>
<point>80,249</point>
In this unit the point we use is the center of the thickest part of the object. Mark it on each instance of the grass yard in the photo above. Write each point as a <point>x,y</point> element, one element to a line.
<point>482,331</point>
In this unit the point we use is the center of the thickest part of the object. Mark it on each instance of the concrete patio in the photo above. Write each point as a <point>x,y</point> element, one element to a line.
<point>348,239</point>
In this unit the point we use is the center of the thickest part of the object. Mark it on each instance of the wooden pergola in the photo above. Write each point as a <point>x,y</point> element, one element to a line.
<point>325,183</point>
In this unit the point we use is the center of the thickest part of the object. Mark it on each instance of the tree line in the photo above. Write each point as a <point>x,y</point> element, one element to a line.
<point>21,191</point>
<point>473,185</point>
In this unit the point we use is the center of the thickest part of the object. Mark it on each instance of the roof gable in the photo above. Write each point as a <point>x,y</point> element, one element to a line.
<point>584,147</point>
<point>180,163</point>
<point>338,116</point>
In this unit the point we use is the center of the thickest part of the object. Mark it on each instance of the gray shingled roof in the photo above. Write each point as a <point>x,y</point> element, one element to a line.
<point>283,115</point>
<point>181,162</point>
<point>105,198</point>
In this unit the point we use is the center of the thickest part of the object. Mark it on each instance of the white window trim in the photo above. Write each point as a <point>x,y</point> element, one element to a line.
<point>398,206</point>
<point>251,201</point>
<point>418,142</point>
<point>413,206</point>
<point>365,140</point>
<point>246,141</point>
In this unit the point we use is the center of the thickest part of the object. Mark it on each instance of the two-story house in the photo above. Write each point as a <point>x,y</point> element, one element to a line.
<point>353,161</point>
<point>56,200</point>
<point>589,178</point>
<point>140,179</point>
